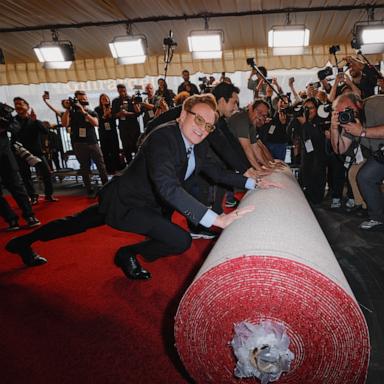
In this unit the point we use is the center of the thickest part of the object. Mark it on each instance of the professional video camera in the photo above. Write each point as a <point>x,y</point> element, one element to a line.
<point>5,115</point>
<point>323,73</point>
<point>24,154</point>
<point>295,111</point>
<point>347,116</point>
<point>73,101</point>
<point>205,85</point>
<point>137,98</point>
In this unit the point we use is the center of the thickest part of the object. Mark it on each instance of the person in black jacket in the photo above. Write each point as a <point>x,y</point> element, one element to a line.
<point>10,177</point>
<point>30,137</point>
<point>155,184</point>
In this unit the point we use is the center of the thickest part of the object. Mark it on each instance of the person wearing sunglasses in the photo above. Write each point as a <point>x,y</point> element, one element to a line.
<point>142,199</point>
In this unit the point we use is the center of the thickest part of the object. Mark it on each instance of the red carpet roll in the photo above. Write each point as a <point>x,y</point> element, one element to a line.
<point>274,264</point>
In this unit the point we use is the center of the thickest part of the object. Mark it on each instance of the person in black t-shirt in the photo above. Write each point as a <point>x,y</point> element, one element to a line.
<point>84,140</point>
<point>313,157</point>
<point>276,137</point>
<point>109,140</point>
<point>127,113</point>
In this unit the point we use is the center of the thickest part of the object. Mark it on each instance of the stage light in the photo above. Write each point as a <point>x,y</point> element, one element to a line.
<point>129,49</point>
<point>55,54</point>
<point>368,37</point>
<point>288,39</point>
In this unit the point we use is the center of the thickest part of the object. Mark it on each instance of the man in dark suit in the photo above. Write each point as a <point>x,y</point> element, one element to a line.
<point>155,184</point>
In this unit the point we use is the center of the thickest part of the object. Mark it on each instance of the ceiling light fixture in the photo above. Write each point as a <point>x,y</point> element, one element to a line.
<point>55,54</point>
<point>368,36</point>
<point>129,49</point>
<point>206,44</point>
<point>288,39</point>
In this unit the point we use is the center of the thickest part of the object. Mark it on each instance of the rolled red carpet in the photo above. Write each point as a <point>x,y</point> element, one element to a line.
<point>274,264</point>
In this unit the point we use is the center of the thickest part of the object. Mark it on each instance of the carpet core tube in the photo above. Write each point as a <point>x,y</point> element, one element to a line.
<point>274,265</point>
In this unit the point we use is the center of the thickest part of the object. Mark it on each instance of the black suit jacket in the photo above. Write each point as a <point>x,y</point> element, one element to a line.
<point>154,179</point>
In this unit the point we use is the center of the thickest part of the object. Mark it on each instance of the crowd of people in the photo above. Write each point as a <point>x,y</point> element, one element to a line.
<point>195,149</point>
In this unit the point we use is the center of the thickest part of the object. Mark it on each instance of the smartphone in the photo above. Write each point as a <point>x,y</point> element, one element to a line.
<point>46,94</point>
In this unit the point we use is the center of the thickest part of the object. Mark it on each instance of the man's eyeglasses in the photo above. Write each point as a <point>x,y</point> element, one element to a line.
<point>199,120</point>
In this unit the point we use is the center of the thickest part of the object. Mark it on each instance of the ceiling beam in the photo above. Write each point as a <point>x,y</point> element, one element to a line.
<point>156,19</point>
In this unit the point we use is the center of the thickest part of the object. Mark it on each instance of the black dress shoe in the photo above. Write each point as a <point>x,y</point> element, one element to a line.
<point>29,257</point>
<point>130,266</point>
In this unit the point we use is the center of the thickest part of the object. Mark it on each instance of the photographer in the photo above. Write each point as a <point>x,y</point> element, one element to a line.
<point>277,138</point>
<point>165,93</point>
<point>186,85</point>
<point>9,174</point>
<point>28,149</point>
<point>109,139</point>
<point>362,122</point>
<point>83,137</point>
<point>309,129</point>
<point>152,105</point>
<point>363,76</point>
<point>342,84</point>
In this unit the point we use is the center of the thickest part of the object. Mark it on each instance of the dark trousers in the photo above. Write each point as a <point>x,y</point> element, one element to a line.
<point>109,144</point>
<point>11,180</point>
<point>42,170</point>
<point>129,134</point>
<point>370,179</point>
<point>164,237</point>
<point>84,154</point>
<point>337,175</point>
<point>312,180</point>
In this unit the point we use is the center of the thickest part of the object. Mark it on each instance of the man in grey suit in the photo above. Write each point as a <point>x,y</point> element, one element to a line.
<point>155,184</point>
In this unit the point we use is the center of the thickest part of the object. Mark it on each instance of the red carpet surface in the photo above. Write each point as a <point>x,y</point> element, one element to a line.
<point>78,319</point>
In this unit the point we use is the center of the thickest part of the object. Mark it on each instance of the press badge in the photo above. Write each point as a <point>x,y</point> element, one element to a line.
<point>151,114</point>
<point>272,129</point>
<point>308,146</point>
<point>347,161</point>
<point>359,155</point>
<point>83,132</point>
<point>107,126</point>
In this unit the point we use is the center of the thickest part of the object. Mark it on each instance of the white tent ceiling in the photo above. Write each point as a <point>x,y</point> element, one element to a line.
<point>240,32</point>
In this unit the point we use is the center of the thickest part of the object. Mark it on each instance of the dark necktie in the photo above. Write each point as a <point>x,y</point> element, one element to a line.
<point>191,163</point>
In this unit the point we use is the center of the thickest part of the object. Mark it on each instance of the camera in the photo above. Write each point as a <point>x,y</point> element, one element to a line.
<point>379,154</point>
<point>204,79</point>
<point>137,97</point>
<point>24,154</point>
<point>5,114</point>
<point>72,101</point>
<point>347,116</point>
<point>322,74</point>
<point>333,49</point>
<point>251,62</point>
<point>169,40</point>
<point>295,111</point>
